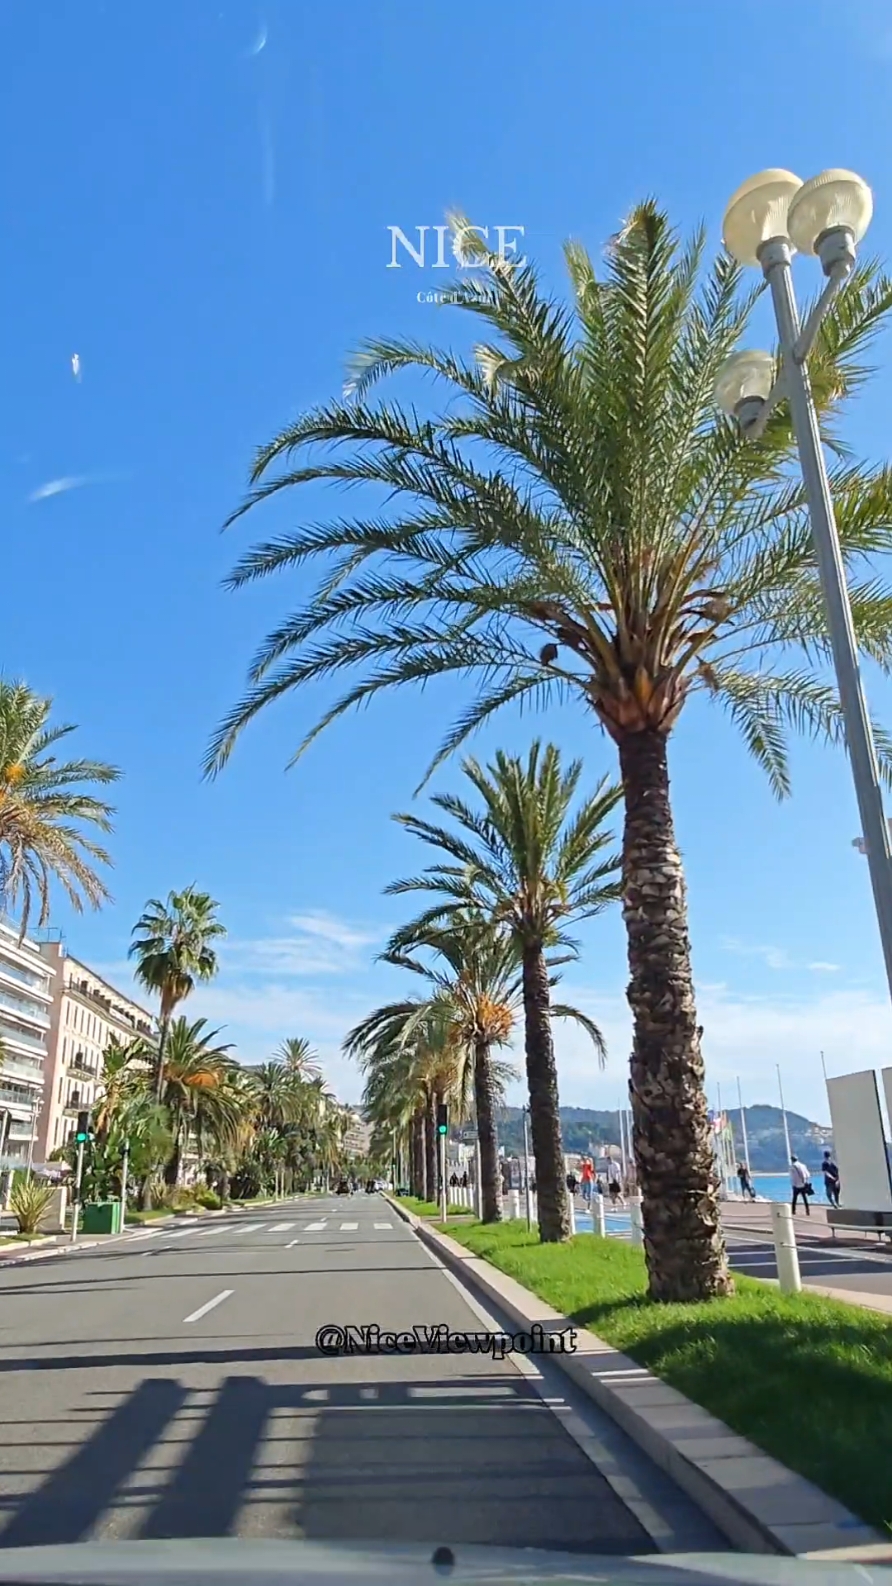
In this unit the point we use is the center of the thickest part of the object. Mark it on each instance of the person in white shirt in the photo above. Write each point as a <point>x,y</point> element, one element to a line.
<point>800,1178</point>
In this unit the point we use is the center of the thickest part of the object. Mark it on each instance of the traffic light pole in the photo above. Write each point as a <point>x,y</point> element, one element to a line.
<point>76,1208</point>
<point>443,1200</point>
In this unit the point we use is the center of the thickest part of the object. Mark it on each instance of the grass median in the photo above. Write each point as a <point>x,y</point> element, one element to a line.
<point>429,1208</point>
<point>807,1379</point>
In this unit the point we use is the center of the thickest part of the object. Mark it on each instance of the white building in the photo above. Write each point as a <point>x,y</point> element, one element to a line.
<point>87,1011</point>
<point>25,1019</point>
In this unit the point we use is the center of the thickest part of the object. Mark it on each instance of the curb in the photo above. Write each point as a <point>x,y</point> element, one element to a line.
<point>756,1502</point>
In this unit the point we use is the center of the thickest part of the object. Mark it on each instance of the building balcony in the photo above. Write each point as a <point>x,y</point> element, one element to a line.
<point>17,1103</point>
<point>12,1035</point>
<point>18,980</point>
<point>79,1065</point>
<point>23,1068</point>
<point>20,1008</point>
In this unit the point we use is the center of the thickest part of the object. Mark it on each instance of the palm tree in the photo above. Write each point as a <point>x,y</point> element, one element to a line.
<point>194,1090</point>
<point>474,980</point>
<point>172,947</point>
<point>45,815</point>
<point>531,868</point>
<point>299,1057</point>
<point>578,520</point>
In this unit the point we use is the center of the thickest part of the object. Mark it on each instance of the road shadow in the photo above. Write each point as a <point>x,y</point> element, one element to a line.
<point>473,1460</point>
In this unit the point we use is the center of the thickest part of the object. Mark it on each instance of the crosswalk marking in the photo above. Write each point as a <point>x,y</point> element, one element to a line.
<point>314,1228</point>
<point>281,1228</point>
<point>183,1233</point>
<point>384,1225</point>
<point>248,1228</point>
<point>348,1228</point>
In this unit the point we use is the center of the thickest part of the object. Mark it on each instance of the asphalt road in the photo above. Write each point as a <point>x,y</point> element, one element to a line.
<point>167,1384</point>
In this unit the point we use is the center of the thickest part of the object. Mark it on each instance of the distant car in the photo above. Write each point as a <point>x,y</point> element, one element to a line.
<point>343,1187</point>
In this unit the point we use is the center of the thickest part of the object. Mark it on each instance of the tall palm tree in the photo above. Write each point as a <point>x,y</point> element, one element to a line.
<point>578,520</point>
<point>299,1057</point>
<point>45,814</point>
<point>531,866</point>
<point>474,979</point>
<point>172,948</point>
<point>194,1090</point>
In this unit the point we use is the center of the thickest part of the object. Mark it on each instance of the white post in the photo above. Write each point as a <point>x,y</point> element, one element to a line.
<point>622,1144</point>
<point>785,1252</point>
<point>76,1207</point>
<point>599,1224</point>
<point>526,1170</point>
<point>637,1220</point>
<point>478,1183</point>
<point>572,1213</point>
<point>513,1204</point>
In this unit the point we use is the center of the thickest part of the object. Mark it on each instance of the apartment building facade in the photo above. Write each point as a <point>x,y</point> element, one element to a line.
<point>26,1001</point>
<point>86,1012</point>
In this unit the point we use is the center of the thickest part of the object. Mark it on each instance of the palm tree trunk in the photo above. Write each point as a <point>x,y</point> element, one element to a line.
<point>416,1173</point>
<point>683,1241</point>
<point>490,1177</point>
<point>430,1149</point>
<point>159,1072</point>
<point>545,1120</point>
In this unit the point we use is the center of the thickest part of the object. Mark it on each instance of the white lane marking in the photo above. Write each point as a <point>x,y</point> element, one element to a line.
<point>314,1228</point>
<point>281,1228</point>
<point>218,1299</point>
<point>384,1225</point>
<point>291,1244</point>
<point>249,1228</point>
<point>183,1234</point>
<point>349,1228</point>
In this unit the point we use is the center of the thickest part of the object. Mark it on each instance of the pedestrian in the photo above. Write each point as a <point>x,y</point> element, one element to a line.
<point>800,1178</point>
<point>614,1191</point>
<point>572,1183</point>
<point>831,1179</point>
<point>464,1181</point>
<point>587,1173</point>
<point>453,1182</point>
<point>746,1183</point>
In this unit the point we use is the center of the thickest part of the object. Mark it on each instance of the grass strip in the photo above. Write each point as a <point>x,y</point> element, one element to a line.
<point>807,1379</point>
<point>429,1209</point>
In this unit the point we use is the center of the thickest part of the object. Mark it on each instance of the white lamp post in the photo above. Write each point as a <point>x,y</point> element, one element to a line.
<point>770,217</point>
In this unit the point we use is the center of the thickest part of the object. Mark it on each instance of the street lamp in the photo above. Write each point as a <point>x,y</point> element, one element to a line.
<point>770,217</point>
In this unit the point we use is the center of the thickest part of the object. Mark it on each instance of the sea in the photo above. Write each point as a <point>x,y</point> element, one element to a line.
<point>776,1186</point>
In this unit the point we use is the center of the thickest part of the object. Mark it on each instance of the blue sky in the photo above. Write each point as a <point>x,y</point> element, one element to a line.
<point>203,222</point>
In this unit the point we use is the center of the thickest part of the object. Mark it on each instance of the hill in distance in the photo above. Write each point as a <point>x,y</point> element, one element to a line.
<point>585,1129</point>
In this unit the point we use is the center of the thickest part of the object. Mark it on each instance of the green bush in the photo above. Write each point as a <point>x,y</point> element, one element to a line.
<point>29,1202</point>
<point>209,1199</point>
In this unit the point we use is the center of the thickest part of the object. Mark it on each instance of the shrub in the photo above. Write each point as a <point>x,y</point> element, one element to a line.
<point>29,1202</point>
<point>209,1199</point>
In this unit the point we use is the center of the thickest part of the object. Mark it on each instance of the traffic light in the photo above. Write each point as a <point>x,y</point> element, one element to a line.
<point>442,1118</point>
<point>82,1133</point>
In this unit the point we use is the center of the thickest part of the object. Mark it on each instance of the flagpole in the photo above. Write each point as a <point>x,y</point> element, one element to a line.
<point>746,1144</point>
<point>784,1112</point>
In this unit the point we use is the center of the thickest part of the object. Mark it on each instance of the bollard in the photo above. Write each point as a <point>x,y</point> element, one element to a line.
<point>785,1252</point>
<point>637,1220</point>
<point>599,1225</point>
<point>513,1204</point>
<point>572,1214</point>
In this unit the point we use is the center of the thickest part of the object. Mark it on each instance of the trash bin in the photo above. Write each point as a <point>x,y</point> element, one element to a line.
<point>101,1217</point>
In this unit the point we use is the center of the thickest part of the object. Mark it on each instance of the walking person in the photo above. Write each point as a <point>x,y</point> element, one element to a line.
<point>831,1179</point>
<point>615,1191</point>
<point>800,1178</point>
<point>746,1183</point>
<point>587,1173</point>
